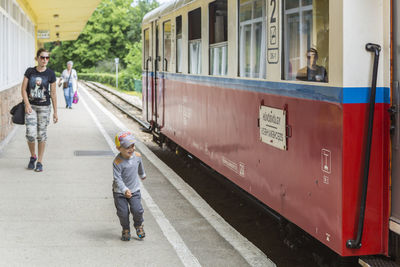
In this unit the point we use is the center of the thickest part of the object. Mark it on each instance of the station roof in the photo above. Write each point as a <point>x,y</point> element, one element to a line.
<point>67,18</point>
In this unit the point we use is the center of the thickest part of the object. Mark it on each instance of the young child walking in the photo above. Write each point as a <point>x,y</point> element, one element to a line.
<point>127,169</point>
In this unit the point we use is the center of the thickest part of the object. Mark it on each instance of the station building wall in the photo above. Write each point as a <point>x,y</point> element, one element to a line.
<point>17,52</point>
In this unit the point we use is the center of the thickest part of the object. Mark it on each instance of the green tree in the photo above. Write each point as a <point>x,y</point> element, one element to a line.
<point>136,14</point>
<point>134,60</point>
<point>113,30</point>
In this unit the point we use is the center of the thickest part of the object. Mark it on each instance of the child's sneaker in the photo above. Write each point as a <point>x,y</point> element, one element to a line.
<point>31,164</point>
<point>39,167</point>
<point>126,235</point>
<point>140,231</point>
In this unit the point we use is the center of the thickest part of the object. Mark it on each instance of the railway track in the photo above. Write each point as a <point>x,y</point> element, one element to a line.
<point>133,111</point>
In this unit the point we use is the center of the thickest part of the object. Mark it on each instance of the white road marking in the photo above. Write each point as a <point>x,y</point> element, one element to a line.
<point>253,255</point>
<point>168,230</point>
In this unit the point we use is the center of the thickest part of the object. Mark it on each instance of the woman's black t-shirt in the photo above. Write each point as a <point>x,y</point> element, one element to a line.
<point>38,88</point>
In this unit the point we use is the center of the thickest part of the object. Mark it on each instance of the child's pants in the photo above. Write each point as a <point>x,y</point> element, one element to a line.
<point>123,205</point>
<point>36,123</point>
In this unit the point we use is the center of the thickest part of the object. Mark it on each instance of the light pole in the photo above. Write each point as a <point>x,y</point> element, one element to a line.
<point>116,70</point>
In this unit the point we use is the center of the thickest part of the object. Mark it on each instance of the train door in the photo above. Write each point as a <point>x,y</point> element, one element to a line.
<point>157,79</point>
<point>148,77</point>
<point>395,211</point>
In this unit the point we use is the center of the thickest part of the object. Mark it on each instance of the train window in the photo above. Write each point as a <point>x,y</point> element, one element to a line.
<point>252,39</point>
<point>306,35</point>
<point>146,46</point>
<point>167,36</point>
<point>218,37</point>
<point>178,21</point>
<point>195,41</point>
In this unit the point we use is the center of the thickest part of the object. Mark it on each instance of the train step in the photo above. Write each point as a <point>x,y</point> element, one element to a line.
<point>377,262</point>
<point>158,138</point>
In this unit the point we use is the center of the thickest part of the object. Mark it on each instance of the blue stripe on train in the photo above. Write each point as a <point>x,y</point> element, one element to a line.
<point>361,95</point>
<point>346,95</point>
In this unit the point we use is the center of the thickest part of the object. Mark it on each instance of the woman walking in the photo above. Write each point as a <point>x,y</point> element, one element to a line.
<point>69,79</point>
<point>38,86</point>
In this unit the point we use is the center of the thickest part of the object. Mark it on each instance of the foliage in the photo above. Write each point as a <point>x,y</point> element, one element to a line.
<point>114,30</point>
<point>134,59</point>
<point>125,81</point>
<point>136,16</point>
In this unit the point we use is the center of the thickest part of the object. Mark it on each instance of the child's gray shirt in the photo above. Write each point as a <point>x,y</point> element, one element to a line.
<point>126,173</point>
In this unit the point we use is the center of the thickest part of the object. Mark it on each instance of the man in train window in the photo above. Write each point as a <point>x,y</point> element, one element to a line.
<point>312,72</point>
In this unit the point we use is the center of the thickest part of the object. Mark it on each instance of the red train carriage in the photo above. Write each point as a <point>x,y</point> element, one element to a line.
<point>276,96</point>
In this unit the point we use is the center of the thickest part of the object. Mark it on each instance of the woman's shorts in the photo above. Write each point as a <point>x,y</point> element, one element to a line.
<point>36,123</point>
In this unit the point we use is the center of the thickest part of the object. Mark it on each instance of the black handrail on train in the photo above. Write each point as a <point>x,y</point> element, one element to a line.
<point>155,89</point>
<point>147,88</point>
<point>163,94</point>
<point>357,242</point>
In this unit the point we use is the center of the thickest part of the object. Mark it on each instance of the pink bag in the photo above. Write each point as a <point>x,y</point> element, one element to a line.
<point>76,98</point>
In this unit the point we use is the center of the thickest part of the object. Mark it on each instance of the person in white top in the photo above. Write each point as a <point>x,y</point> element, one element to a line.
<point>69,79</point>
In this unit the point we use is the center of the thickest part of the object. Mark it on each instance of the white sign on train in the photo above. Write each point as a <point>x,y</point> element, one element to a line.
<point>273,32</point>
<point>273,127</point>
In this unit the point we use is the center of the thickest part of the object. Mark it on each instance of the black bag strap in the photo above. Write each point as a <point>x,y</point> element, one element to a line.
<point>69,76</point>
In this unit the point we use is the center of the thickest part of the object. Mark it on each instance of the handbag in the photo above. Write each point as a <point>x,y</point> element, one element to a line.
<point>76,98</point>
<point>65,84</point>
<point>18,113</point>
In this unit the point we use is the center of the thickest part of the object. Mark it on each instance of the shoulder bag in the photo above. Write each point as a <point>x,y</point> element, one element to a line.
<point>65,84</point>
<point>18,113</point>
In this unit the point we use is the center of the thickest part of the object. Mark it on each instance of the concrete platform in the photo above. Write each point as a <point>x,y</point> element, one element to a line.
<point>65,216</point>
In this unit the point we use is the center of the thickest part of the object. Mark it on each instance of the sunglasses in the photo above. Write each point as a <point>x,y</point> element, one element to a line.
<point>42,57</point>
